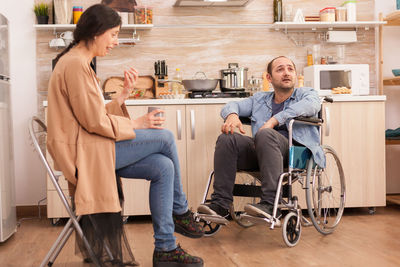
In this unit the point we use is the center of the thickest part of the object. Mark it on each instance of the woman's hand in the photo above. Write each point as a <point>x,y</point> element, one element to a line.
<point>149,120</point>
<point>130,78</point>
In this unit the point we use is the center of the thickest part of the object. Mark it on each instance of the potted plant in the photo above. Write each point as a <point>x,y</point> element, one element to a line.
<point>42,13</point>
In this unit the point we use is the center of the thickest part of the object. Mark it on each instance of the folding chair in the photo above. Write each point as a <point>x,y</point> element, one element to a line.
<point>73,222</point>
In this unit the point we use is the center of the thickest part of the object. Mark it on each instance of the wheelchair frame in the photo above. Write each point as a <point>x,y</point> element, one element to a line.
<point>294,220</point>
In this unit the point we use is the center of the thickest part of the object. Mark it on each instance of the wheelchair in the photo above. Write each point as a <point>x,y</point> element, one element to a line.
<point>325,192</point>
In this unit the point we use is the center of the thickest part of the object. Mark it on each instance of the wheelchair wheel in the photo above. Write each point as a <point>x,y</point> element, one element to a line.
<point>290,235</point>
<point>325,192</point>
<point>210,228</point>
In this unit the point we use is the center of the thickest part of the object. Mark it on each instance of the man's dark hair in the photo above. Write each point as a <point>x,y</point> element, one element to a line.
<point>269,67</point>
<point>95,21</point>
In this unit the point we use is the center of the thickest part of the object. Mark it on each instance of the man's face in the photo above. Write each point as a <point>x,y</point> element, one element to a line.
<point>283,74</point>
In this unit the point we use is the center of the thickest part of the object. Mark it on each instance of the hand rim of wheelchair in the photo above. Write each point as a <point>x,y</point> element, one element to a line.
<point>320,215</point>
<point>213,228</point>
<point>290,235</point>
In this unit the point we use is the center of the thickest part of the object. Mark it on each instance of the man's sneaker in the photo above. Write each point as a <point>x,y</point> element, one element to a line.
<point>175,258</point>
<point>213,209</point>
<point>187,226</point>
<point>262,210</point>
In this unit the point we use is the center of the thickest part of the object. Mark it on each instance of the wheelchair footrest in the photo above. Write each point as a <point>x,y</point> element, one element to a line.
<point>258,220</point>
<point>213,218</point>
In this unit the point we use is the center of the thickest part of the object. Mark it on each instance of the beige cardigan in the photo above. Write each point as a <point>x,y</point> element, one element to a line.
<point>82,132</point>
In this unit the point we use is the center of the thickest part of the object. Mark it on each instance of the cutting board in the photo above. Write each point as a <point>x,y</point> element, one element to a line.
<point>144,87</point>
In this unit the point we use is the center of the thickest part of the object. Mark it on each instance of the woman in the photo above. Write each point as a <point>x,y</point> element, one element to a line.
<point>90,140</point>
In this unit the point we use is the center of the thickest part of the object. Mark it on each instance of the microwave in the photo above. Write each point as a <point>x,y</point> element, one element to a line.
<point>325,77</point>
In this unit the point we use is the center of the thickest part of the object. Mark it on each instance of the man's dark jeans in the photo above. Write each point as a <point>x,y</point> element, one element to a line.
<point>268,152</point>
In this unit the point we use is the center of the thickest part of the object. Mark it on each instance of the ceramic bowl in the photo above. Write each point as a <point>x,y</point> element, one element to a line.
<point>396,72</point>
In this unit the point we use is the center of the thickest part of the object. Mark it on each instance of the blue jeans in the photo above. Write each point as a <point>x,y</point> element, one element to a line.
<point>153,156</point>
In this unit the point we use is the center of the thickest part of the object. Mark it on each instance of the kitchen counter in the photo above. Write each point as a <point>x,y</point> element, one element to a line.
<point>205,101</point>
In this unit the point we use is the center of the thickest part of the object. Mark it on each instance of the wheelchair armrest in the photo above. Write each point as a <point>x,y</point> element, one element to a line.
<point>245,120</point>
<point>309,119</point>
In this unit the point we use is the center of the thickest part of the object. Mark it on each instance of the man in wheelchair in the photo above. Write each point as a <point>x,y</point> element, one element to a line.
<point>268,149</point>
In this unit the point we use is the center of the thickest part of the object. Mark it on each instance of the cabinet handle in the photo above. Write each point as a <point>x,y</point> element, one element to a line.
<point>328,121</point>
<point>192,123</point>
<point>179,123</point>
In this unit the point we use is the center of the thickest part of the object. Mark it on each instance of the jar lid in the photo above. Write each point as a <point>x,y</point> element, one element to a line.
<point>347,2</point>
<point>327,8</point>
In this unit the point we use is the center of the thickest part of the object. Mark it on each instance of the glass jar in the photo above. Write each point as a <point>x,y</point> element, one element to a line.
<point>327,14</point>
<point>140,15</point>
<point>340,14</point>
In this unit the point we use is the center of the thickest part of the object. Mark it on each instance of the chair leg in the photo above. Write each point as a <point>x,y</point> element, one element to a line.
<point>58,244</point>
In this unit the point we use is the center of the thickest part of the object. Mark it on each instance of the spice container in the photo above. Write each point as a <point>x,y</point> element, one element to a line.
<point>340,14</point>
<point>323,60</point>
<point>351,10</point>
<point>327,14</point>
<point>309,58</point>
<point>77,12</point>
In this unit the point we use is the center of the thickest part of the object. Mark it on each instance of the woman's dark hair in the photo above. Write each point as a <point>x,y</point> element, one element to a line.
<point>96,20</point>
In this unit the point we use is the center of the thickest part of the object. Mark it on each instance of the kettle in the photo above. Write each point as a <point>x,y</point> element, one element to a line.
<point>234,78</point>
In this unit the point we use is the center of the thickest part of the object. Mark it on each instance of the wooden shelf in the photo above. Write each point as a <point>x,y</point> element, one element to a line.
<point>391,81</point>
<point>392,141</point>
<point>62,27</point>
<point>393,19</point>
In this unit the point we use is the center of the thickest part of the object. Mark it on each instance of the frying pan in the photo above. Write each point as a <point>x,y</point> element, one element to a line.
<point>203,84</point>
<point>197,85</point>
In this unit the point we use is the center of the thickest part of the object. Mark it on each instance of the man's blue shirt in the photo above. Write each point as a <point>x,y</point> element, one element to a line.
<point>304,101</point>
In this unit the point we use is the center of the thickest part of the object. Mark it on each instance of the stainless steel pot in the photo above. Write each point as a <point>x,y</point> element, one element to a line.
<point>203,84</point>
<point>234,78</point>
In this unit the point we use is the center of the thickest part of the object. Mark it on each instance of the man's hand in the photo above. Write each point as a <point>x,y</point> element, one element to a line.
<point>271,123</point>
<point>232,122</point>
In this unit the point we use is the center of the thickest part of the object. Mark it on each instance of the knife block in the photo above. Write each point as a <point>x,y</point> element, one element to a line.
<point>161,88</point>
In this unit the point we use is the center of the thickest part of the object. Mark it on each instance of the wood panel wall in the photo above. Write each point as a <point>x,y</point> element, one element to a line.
<point>211,49</point>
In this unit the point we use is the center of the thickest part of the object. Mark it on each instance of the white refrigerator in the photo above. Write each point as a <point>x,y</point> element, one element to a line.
<point>7,184</point>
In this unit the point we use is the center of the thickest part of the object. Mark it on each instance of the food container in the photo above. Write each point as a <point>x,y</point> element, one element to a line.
<point>327,14</point>
<point>351,10</point>
<point>340,14</point>
<point>140,15</point>
<point>143,15</point>
<point>149,15</point>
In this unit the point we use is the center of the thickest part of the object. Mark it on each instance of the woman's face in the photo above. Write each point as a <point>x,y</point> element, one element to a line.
<point>103,43</point>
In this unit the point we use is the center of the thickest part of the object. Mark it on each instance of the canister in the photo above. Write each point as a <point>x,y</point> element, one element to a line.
<point>341,13</point>
<point>327,14</point>
<point>351,10</point>
<point>77,12</point>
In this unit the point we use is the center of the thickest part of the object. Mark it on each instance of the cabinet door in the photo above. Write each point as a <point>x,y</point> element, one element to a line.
<point>203,126</point>
<point>357,134</point>
<point>136,191</point>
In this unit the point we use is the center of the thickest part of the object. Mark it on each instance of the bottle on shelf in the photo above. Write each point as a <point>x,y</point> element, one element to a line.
<point>277,10</point>
<point>310,61</point>
<point>177,88</point>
